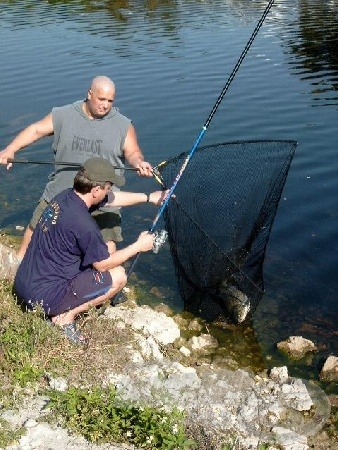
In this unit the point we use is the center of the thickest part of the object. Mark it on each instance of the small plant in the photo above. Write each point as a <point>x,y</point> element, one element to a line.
<point>100,417</point>
<point>18,341</point>
<point>7,435</point>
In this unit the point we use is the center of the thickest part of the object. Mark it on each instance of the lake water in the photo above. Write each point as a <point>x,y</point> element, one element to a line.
<point>170,60</point>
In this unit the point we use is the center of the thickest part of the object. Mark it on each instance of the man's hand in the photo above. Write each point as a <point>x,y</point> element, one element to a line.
<point>157,197</point>
<point>5,155</point>
<point>144,169</point>
<point>145,241</point>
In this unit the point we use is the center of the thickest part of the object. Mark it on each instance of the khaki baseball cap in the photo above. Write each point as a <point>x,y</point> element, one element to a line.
<point>100,170</point>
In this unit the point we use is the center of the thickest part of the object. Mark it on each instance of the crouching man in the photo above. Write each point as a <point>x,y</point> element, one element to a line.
<point>68,268</point>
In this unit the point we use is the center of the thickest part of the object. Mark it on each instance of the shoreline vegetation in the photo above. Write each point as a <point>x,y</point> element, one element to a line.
<point>39,365</point>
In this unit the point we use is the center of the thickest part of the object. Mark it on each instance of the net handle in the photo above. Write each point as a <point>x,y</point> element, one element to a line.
<point>56,163</point>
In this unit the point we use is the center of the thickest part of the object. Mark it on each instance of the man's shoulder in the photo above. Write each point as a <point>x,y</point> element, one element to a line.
<point>63,194</point>
<point>114,113</point>
<point>70,107</point>
<point>74,213</point>
<point>70,203</point>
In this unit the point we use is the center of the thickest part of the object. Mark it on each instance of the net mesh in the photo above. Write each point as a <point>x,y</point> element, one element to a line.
<point>219,223</point>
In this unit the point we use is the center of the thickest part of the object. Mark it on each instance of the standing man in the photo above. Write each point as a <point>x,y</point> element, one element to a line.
<point>67,267</point>
<point>84,129</point>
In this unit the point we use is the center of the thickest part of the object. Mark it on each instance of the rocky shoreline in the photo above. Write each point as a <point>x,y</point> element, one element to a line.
<point>268,407</point>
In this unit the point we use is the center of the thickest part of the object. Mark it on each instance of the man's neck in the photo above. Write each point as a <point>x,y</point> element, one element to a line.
<point>86,198</point>
<point>86,110</point>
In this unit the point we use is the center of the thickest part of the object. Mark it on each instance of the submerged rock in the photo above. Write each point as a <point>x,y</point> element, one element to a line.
<point>296,346</point>
<point>329,371</point>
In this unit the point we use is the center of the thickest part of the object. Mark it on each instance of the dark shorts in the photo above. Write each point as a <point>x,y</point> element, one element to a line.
<point>37,213</point>
<point>86,286</point>
<point>109,222</point>
<point>110,225</point>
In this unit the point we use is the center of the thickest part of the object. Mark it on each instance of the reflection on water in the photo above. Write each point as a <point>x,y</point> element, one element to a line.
<point>307,29</point>
<point>170,60</point>
<point>313,49</point>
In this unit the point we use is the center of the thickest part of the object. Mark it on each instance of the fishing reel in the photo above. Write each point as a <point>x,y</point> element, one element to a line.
<point>160,238</point>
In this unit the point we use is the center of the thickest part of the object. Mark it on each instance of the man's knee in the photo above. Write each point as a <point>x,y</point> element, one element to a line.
<point>111,247</point>
<point>119,277</point>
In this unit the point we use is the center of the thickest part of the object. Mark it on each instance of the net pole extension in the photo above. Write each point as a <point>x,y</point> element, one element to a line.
<point>203,130</point>
<point>56,163</point>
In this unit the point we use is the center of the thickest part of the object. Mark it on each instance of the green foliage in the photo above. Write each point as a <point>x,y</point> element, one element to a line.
<point>18,341</point>
<point>7,435</point>
<point>27,373</point>
<point>332,426</point>
<point>100,417</point>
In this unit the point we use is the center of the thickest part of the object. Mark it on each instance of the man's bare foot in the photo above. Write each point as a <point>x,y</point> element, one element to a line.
<point>63,319</point>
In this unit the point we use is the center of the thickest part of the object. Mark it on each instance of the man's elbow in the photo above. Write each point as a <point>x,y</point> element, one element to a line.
<point>101,266</point>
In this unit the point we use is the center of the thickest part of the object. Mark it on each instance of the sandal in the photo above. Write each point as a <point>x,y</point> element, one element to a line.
<point>73,334</point>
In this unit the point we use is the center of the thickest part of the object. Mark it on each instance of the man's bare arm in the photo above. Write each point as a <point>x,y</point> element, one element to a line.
<point>134,155</point>
<point>144,243</point>
<point>121,198</point>
<point>32,133</point>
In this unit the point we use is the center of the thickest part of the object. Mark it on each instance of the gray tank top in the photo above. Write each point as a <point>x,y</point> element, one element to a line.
<point>77,138</point>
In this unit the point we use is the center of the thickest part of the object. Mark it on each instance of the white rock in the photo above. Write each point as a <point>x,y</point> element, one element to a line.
<point>180,377</point>
<point>329,371</point>
<point>136,357</point>
<point>203,341</point>
<point>58,384</point>
<point>297,346</point>
<point>149,347</point>
<point>8,262</point>
<point>289,440</point>
<point>30,423</point>
<point>185,351</point>
<point>279,374</point>
<point>156,324</point>
<point>297,396</point>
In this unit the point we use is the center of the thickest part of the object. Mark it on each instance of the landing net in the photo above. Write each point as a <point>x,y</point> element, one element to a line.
<point>219,223</point>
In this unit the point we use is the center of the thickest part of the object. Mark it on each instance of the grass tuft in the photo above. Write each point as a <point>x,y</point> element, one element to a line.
<point>98,415</point>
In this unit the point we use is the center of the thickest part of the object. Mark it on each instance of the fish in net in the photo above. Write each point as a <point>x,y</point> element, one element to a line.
<point>219,222</point>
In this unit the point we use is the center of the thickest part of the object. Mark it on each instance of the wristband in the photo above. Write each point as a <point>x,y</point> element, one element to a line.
<point>148,196</point>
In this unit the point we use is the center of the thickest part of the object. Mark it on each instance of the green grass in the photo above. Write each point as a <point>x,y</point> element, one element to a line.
<point>98,415</point>
<point>7,435</point>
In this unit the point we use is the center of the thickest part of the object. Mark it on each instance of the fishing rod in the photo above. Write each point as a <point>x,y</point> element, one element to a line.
<point>201,133</point>
<point>72,164</point>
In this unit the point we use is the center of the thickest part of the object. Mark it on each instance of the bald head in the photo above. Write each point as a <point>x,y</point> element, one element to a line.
<point>100,97</point>
<point>102,82</point>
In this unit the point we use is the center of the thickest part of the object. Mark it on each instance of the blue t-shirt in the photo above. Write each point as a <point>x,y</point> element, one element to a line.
<point>66,241</point>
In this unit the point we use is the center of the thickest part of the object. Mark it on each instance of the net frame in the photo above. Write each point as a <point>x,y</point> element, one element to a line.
<point>257,172</point>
